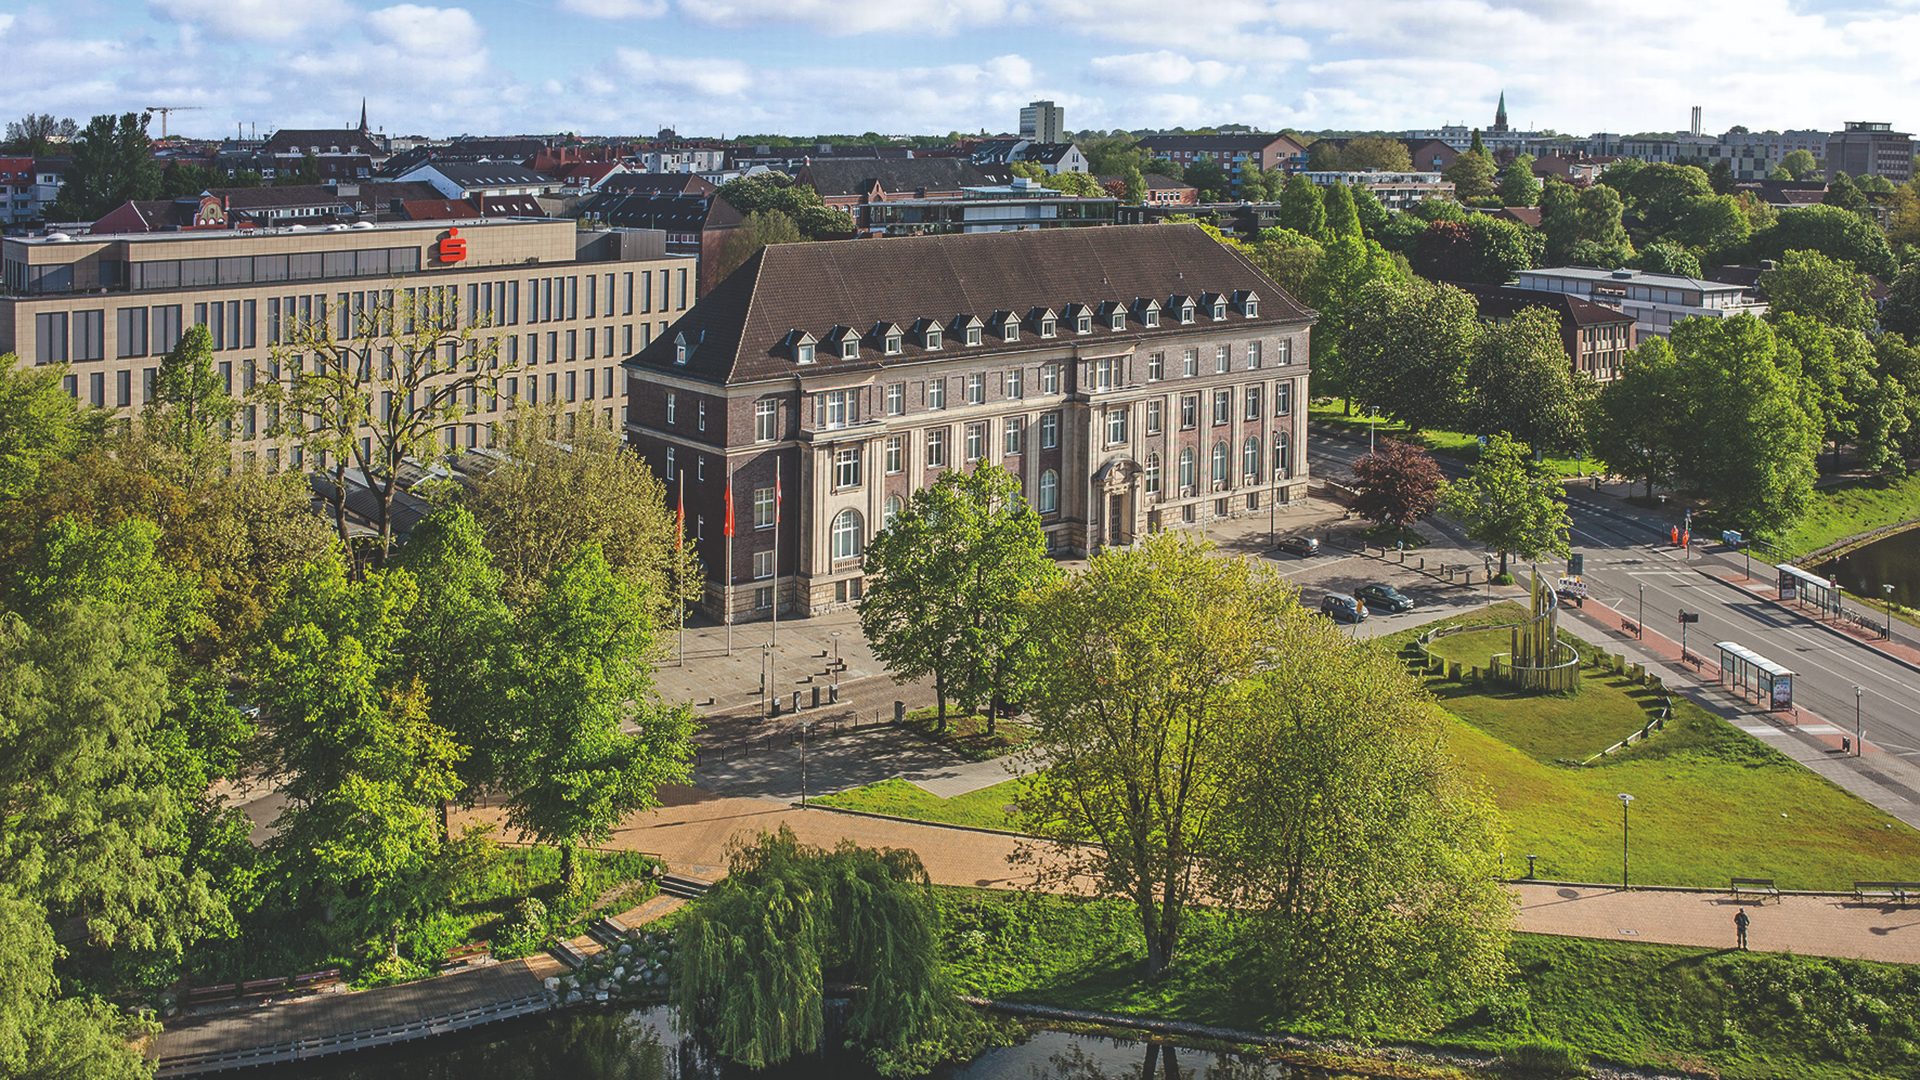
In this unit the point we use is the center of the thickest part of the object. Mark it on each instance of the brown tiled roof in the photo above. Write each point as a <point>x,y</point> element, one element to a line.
<point>738,328</point>
<point>842,178</point>
<point>1505,301</point>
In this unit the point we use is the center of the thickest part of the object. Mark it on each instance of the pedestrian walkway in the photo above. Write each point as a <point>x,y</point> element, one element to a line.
<point>956,780</point>
<point>1805,925</point>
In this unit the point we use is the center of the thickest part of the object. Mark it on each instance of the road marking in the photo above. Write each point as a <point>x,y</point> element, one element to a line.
<point>1818,729</point>
<point>1761,729</point>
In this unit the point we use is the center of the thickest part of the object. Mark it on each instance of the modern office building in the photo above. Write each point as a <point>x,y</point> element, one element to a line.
<point>1870,148</point>
<point>1044,122</point>
<point>1655,301</point>
<point>1133,378</point>
<point>563,305</point>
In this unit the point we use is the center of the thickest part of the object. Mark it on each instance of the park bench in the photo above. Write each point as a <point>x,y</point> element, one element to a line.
<point>259,987</point>
<point>1897,891</point>
<point>1759,885</point>
<point>316,980</point>
<point>206,995</point>
<point>460,954</point>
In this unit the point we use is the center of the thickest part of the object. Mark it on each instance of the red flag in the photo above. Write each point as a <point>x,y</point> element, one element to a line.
<point>729,525</point>
<point>776,497</point>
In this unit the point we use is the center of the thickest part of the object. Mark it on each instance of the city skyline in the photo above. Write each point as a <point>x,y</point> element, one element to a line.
<point>728,67</point>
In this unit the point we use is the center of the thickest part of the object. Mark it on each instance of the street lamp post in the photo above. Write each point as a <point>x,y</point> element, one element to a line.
<point>1889,591</point>
<point>803,764</point>
<point>1640,630</point>
<point>836,665</point>
<point>1856,721</point>
<point>1625,801</point>
<point>766,677</point>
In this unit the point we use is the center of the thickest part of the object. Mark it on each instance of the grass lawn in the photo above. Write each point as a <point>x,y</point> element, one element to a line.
<point>984,809</point>
<point>1738,1014</point>
<point>969,734</point>
<point>1853,507</point>
<point>1453,444</point>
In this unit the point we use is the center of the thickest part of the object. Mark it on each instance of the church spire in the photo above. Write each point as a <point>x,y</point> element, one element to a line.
<point>1500,113</point>
<point>363,113</point>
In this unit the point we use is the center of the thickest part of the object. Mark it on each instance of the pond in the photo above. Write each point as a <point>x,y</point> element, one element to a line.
<point>1891,560</point>
<point>641,1045</point>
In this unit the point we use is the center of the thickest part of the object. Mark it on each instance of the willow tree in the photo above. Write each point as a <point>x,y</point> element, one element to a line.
<point>1137,714</point>
<point>755,952</point>
<point>366,386</point>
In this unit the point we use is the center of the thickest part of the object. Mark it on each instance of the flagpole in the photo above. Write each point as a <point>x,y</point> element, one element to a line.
<point>776,549</point>
<point>680,564</point>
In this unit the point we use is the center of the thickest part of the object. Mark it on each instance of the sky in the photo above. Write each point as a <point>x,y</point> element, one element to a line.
<point>806,67</point>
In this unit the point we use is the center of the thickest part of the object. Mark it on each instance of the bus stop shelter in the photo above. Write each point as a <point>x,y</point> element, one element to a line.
<point>1809,590</point>
<point>1746,670</point>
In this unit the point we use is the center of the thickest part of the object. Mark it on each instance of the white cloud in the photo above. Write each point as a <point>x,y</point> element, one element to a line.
<point>858,16</point>
<point>1162,68</point>
<point>616,9</point>
<point>262,19</point>
<point>6,22</point>
<point>709,77</point>
<point>427,31</point>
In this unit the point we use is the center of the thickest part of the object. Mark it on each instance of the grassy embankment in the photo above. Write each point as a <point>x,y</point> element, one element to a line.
<point>1711,802</point>
<point>1452,444</point>
<point>1850,508</point>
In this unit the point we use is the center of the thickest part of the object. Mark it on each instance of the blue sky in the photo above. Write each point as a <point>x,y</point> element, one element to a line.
<point>931,66</point>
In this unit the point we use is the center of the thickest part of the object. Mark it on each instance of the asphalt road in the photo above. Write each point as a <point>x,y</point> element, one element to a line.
<point>1625,559</point>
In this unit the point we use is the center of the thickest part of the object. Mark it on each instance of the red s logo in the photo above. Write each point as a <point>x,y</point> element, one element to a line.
<point>453,248</point>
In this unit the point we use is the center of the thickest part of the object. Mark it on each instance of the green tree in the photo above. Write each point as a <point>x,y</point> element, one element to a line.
<point>1780,173</point>
<point>1377,153</point>
<point>1248,183</point>
<point>1332,283</point>
<point>1900,313</point>
<point>1471,175</point>
<point>548,498</point>
<point>1800,164</point>
<point>1406,347</point>
<point>1135,186</point>
<point>179,179</point>
<point>1137,715</point>
<point>1751,436</point>
<point>594,741</point>
<point>778,191</point>
<point>1831,292</point>
<point>1369,863</point>
<point>1660,195</point>
<point>1522,382</point>
<point>1715,224</point>
<point>33,135</point>
<point>1634,424</point>
<point>1342,218</point>
<point>1518,187</point>
<point>1832,232</point>
<point>50,1037</point>
<point>1324,155</point>
<point>1072,183</point>
<point>1211,178</point>
<point>111,164</point>
<point>1366,207</point>
<point>762,227</point>
<point>946,577</point>
<point>1665,257</point>
<point>1508,505</point>
<point>190,411</point>
<point>370,388</point>
<point>40,423</point>
<point>1842,193</point>
<point>1398,484</point>
<point>1302,209</point>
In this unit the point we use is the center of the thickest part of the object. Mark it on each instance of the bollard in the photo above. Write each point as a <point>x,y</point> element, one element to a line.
<point>796,701</point>
<point>816,697</point>
<point>899,712</point>
<point>833,694</point>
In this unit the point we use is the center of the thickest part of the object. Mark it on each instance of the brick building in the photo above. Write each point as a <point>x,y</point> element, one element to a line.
<point>1133,378</point>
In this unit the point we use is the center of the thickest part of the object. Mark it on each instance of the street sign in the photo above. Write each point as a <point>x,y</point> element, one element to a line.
<point>1730,538</point>
<point>1688,616</point>
<point>1576,565</point>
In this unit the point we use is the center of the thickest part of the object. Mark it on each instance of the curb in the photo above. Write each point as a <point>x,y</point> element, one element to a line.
<point>918,821</point>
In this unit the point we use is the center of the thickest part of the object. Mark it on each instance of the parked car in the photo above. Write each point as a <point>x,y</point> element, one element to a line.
<point>1342,608</point>
<point>1299,545</point>
<point>1383,598</point>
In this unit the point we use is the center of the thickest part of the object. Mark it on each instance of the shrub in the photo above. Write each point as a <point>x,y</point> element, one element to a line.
<point>1545,1058</point>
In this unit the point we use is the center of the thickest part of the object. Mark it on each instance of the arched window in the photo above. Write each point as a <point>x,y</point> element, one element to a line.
<point>890,510</point>
<point>1280,453</point>
<point>1219,463</point>
<point>1153,474</point>
<point>847,538</point>
<point>1188,476</point>
<point>1250,457</point>
<point>1049,491</point>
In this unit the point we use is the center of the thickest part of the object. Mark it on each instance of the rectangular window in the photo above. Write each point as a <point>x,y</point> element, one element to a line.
<point>1190,363</point>
<point>1282,398</point>
<point>1222,358</point>
<point>1050,378</point>
<point>976,441</point>
<point>762,570</point>
<point>626,338</point>
<point>1156,367</point>
<point>1015,384</point>
<point>50,338</point>
<point>1014,437</point>
<point>593,339</point>
<point>763,508</point>
<point>936,448</point>
<point>836,409</point>
<point>846,467</point>
<point>763,598</point>
<point>1253,356</point>
<point>673,401</point>
<point>896,399</point>
<point>1116,426</point>
<point>123,387</point>
<point>976,389</point>
<point>97,389</point>
<point>593,299</point>
<point>1189,411</point>
<point>89,335</point>
<point>1103,373</point>
<point>702,425</point>
<point>1222,407</point>
<point>165,327</point>
<point>1283,351</point>
<point>1253,403</point>
<point>130,326</point>
<point>573,386</point>
<point>766,420</point>
<point>896,453</point>
<point>1153,417</point>
<point>626,295</point>
<point>1050,431</point>
<point>936,393</point>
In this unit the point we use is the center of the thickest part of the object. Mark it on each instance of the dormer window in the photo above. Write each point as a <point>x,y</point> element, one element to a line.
<point>1046,327</point>
<point>968,327</point>
<point>802,344</point>
<point>888,337</point>
<point>1248,303</point>
<point>932,340</point>
<point>1117,321</point>
<point>973,335</point>
<point>1219,310</point>
<point>850,349</point>
<point>892,345</point>
<point>803,354</point>
<point>1083,325</point>
<point>1008,324</point>
<point>680,349</point>
<point>1149,310</point>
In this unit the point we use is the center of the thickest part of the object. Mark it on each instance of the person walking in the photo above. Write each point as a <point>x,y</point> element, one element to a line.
<point>1740,924</point>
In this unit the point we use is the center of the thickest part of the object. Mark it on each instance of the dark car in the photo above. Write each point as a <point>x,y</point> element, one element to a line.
<point>1299,545</point>
<point>1384,598</point>
<point>1342,608</point>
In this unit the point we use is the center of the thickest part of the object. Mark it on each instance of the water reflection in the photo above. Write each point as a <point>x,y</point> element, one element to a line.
<point>1893,560</point>
<point>642,1045</point>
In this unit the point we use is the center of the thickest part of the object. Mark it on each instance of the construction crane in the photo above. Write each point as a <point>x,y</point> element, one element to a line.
<point>163,110</point>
